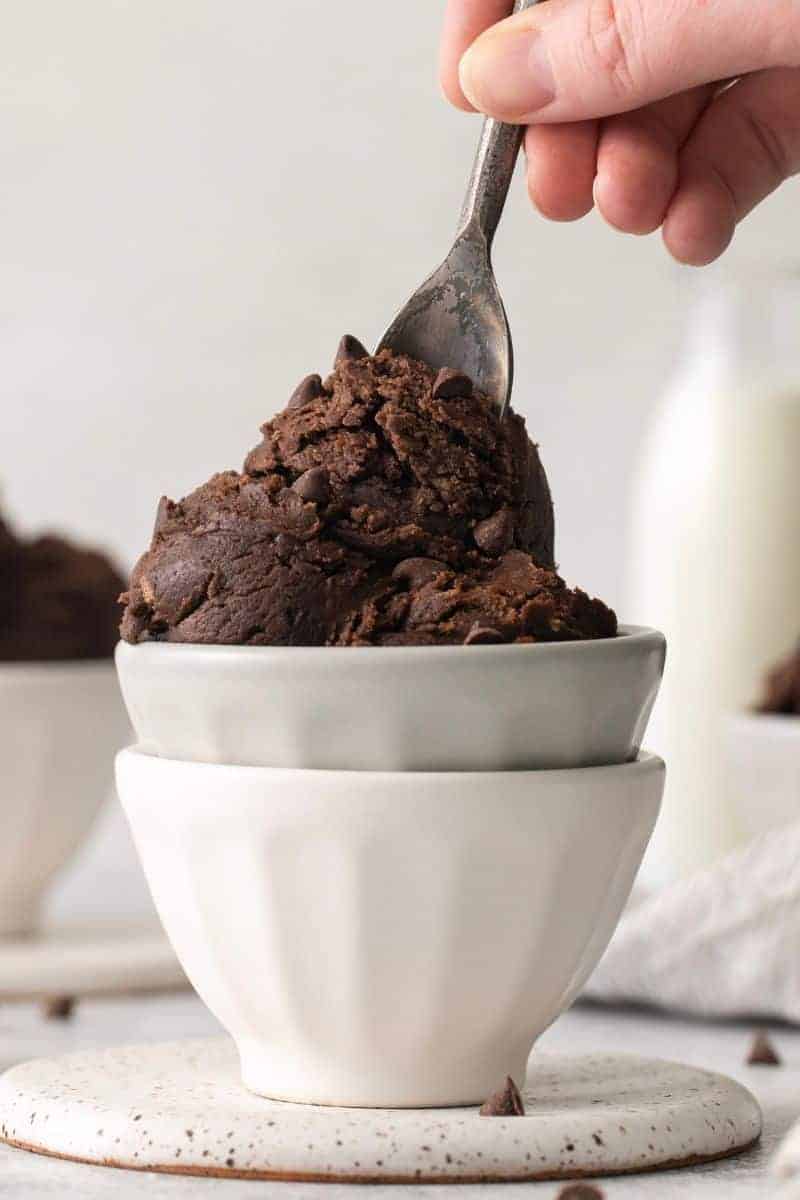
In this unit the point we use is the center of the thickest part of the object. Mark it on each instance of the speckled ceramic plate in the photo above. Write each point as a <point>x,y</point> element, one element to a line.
<point>179,1107</point>
<point>88,960</point>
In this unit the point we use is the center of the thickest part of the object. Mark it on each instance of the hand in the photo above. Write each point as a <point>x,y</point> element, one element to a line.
<point>625,109</point>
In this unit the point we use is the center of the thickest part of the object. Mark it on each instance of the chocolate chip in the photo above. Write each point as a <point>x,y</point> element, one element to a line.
<point>216,584</point>
<point>58,1008</point>
<point>163,513</point>
<point>350,349</point>
<point>450,383</point>
<point>483,635</point>
<point>580,1191</point>
<point>416,572</point>
<point>762,1052</point>
<point>285,547</point>
<point>495,534</point>
<point>313,485</point>
<point>308,389</point>
<point>782,687</point>
<point>260,460</point>
<point>505,1103</point>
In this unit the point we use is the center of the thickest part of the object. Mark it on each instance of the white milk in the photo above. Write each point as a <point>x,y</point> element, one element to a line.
<point>716,546</point>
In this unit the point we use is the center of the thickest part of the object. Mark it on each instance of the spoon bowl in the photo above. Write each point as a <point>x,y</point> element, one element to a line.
<point>457,318</point>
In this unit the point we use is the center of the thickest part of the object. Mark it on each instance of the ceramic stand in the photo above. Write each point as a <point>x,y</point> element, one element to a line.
<point>180,1108</point>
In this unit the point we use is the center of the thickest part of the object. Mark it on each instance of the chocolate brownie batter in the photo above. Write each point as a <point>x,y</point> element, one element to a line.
<point>388,505</point>
<point>57,600</point>
<point>782,688</point>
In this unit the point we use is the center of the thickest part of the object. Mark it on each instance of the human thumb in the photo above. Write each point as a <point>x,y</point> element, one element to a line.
<point>568,60</point>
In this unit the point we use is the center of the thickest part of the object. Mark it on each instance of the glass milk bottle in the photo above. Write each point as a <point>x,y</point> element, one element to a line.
<point>715,559</point>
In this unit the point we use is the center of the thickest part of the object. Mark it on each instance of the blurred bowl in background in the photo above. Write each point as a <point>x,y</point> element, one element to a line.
<point>762,770</point>
<point>413,708</point>
<point>61,725</point>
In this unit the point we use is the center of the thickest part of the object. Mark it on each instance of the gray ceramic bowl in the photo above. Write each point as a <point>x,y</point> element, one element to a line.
<point>460,708</point>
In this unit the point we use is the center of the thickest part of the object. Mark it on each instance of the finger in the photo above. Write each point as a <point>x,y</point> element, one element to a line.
<point>745,145</point>
<point>637,160</point>
<point>568,60</point>
<point>562,160</point>
<point>464,20</point>
<point>701,220</point>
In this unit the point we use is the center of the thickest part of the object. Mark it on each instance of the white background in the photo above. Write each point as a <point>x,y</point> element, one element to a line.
<point>198,197</point>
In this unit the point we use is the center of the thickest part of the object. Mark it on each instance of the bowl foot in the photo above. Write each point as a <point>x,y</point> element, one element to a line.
<point>398,1084</point>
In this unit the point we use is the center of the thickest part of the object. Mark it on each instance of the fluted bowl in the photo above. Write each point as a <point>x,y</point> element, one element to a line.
<point>387,939</point>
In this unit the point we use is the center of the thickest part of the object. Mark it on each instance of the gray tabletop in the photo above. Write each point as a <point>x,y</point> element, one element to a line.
<point>23,1034</point>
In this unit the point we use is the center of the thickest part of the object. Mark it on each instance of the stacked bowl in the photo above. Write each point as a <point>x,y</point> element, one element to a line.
<point>388,870</point>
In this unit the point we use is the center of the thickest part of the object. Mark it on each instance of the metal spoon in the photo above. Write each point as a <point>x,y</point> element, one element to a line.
<point>456,318</point>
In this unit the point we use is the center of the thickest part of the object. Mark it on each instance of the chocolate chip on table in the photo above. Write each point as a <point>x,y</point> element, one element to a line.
<point>416,572</point>
<point>350,349</point>
<point>483,635</point>
<point>762,1053</point>
<point>450,383</point>
<point>313,485</point>
<point>308,389</point>
<point>505,1103</point>
<point>580,1191</point>
<point>58,1008</point>
<point>495,534</point>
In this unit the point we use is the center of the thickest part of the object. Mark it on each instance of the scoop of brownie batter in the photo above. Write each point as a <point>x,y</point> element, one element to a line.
<point>58,601</point>
<point>782,687</point>
<point>387,505</point>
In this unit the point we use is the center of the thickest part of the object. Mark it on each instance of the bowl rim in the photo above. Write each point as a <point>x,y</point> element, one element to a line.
<point>26,670</point>
<point>638,636</point>
<point>645,763</point>
<point>765,724</point>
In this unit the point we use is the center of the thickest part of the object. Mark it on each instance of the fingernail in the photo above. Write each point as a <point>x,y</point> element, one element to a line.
<point>508,75</point>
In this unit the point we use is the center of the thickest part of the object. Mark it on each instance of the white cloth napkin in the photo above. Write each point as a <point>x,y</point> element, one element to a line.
<point>724,942</point>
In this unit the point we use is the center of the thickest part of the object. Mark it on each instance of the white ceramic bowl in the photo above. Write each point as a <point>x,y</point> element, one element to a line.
<point>62,724</point>
<point>391,939</point>
<point>762,770</point>
<point>492,708</point>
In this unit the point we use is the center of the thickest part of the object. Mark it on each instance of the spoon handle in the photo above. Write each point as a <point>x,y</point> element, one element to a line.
<point>492,170</point>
